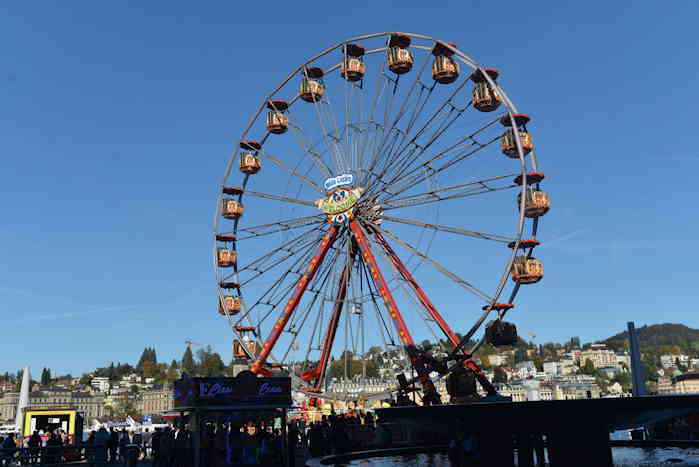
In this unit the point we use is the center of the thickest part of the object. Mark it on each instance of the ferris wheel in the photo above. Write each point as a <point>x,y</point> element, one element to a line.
<point>382,194</point>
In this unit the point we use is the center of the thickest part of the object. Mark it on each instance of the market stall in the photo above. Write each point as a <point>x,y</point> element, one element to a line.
<point>233,420</point>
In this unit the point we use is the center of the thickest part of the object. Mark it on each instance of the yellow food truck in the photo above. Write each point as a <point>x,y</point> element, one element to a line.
<point>46,419</point>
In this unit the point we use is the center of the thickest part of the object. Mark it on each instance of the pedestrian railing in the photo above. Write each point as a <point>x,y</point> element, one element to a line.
<point>53,456</point>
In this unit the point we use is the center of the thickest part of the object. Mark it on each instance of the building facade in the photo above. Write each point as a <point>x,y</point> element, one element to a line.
<point>92,405</point>
<point>100,383</point>
<point>156,401</point>
<point>600,357</point>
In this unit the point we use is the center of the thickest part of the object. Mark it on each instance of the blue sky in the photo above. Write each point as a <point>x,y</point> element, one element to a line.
<point>116,122</point>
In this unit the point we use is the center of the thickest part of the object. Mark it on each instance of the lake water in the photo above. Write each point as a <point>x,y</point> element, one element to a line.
<point>623,457</point>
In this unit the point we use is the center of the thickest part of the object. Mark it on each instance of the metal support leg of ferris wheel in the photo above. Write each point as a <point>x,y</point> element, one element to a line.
<point>430,394</point>
<point>434,314</point>
<point>317,375</point>
<point>257,366</point>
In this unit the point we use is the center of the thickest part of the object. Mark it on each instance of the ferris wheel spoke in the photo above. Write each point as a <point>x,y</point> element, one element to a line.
<point>317,376</point>
<point>329,129</point>
<point>235,190</point>
<point>273,227</point>
<point>275,293</point>
<point>281,228</point>
<point>426,309</point>
<point>310,149</point>
<point>372,139</point>
<point>419,149</point>
<point>441,269</point>
<point>290,247</point>
<point>384,329</point>
<point>426,170</point>
<point>464,148</point>
<point>321,284</point>
<point>417,82</point>
<point>261,270</point>
<point>280,289</point>
<point>449,102</point>
<point>455,230</point>
<point>420,103</point>
<point>430,394</point>
<point>317,288</point>
<point>442,194</point>
<point>328,239</point>
<point>307,181</point>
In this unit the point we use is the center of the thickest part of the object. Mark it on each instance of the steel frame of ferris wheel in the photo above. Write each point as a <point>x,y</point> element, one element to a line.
<point>395,176</point>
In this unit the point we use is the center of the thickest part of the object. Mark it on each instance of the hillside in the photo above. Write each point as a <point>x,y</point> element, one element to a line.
<point>660,337</point>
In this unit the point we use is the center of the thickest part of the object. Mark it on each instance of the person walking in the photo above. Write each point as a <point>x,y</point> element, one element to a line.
<point>113,445</point>
<point>316,441</point>
<point>155,445</point>
<point>8,449</point>
<point>182,446</point>
<point>292,442</point>
<point>102,439</point>
<point>166,449</point>
<point>34,444</point>
<point>130,447</point>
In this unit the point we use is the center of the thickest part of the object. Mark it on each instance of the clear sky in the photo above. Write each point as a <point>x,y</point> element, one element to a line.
<point>117,119</point>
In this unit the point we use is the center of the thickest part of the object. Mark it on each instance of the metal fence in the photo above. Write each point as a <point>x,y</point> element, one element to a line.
<point>50,456</point>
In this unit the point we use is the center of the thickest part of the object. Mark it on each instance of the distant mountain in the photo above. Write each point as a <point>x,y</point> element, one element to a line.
<point>660,337</point>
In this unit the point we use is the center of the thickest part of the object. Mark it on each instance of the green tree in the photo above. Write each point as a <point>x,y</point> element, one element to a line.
<point>624,379</point>
<point>209,363</point>
<point>538,362</point>
<point>172,373</point>
<point>127,408</point>
<point>354,368</point>
<point>45,377</point>
<point>588,368</point>
<point>602,381</point>
<point>188,364</point>
<point>148,355</point>
<point>85,380</point>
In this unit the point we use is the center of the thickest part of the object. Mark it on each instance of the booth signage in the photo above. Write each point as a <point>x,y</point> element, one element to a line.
<point>244,390</point>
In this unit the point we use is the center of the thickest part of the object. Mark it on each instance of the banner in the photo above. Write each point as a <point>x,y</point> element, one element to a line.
<point>246,389</point>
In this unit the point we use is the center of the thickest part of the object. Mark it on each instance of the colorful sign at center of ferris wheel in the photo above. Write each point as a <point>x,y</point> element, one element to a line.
<point>341,199</point>
<point>336,182</point>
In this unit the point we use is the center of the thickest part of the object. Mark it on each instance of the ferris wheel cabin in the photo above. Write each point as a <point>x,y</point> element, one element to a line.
<point>312,87</point>
<point>484,97</point>
<point>277,119</point>
<point>231,209</point>
<point>444,69</point>
<point>229,305</point>
<point>507,141</point>
<point>536,203</point>
<point>250,162</point>
<point>527,270</point>
<point>399,58</point>
<point>352,67</point>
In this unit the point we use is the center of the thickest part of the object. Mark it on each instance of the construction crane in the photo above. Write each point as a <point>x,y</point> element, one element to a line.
<point>190,343</point>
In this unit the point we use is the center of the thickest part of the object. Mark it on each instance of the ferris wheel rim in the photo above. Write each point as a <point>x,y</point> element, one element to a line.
<point>465,59</point>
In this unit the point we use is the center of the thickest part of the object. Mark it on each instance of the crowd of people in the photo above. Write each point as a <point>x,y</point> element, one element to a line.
<point>221,443</point>
<point>26,451</point>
